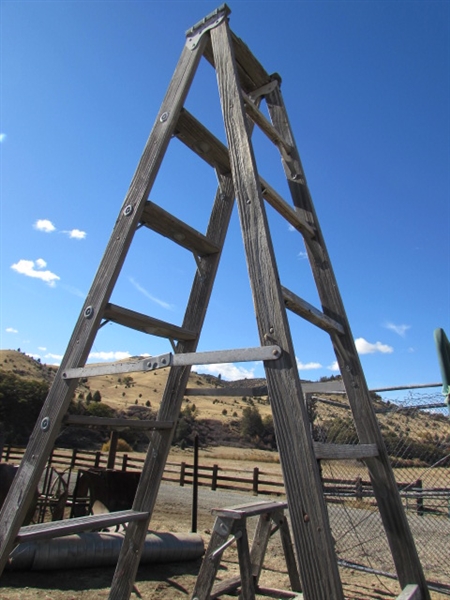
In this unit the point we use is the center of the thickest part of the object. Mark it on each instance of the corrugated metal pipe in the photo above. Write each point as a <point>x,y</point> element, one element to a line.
<point>101,549</point>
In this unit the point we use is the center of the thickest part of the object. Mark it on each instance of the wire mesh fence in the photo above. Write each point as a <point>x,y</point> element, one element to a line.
<point>416,430</point>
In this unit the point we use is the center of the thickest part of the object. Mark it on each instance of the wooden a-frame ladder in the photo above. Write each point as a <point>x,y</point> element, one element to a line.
<point>243,84</point>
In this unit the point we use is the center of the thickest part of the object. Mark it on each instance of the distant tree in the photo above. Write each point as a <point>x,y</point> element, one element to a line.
<point>97,397</point>
<point>89,398</point>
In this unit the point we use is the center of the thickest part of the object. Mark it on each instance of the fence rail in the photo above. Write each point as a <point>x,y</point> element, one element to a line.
<point>256,482</point>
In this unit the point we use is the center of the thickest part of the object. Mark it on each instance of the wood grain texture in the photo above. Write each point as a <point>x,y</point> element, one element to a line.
<point>42,439</point>
<point>400,539</point>
<point>311,531</point>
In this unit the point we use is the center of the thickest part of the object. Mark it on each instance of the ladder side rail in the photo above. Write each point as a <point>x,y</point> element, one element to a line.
<point>48,425</point>
<point>401,541</point>
<point>159,445</point>
<point>315,550</point>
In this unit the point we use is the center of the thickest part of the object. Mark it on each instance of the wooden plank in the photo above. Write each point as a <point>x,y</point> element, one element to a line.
<point>228,391</point>
<point>411,592</point>
<point>143,424</point>
<point>344,451</point>
<point>248,510</point>
<point>318,564</point>
<point>288,550</point>
<point>140,322</point>
<point>54,529</point>
<point>159,220</point>
<point>159,445</point>
<point>245,565</point>
<point>306,310</point>
<point>399,535</point>
<point>266,127</point>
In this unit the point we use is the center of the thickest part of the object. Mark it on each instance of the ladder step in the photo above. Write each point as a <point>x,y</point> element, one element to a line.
<point>159,220</point>
<point>201,141</point>
<point>54,529</point>
<point>249,510</point>
<point>144,424</point>
<point>310,313</point>
<point>344,451</point>
<point>228,391</point>
<point>134,320</point>
<point>264,124</point>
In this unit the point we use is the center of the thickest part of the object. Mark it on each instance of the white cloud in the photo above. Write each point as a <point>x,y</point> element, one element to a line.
<point>2,137</point>
<point>398,329</point>
<point>307,366</point>
<point>76,234</point>
<point>42,348</point>
<point>302,255</point>
<point>228,371</point>
<point>57,357</point>
<point>365,347</point>
<point>35,270</point>
<point>109,355</point>
<point>334,366</point>
<point>11,330</point>
<point>44,225</point>
<point>149,296</point>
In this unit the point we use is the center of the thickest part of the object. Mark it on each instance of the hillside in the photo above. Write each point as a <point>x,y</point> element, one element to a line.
<point>411,435</point>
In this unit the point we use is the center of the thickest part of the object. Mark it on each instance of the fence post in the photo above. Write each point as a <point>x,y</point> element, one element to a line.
<point>182,473</point>
<point>8,452</point>
<point>419,500</point>
<point>98,456</point>
<point>124,462</point>
<point>73,462</point>
<point>215,475</point>
<point>255,481</point>
<point>358,488</point>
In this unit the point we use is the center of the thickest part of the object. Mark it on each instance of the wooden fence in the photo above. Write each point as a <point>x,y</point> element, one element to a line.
<point>254,481</point>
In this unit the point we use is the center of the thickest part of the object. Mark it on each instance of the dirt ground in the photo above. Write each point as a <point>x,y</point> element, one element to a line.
<point>173,581</point>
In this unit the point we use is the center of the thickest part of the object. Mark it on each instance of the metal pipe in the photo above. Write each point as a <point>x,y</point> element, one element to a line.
<point>96,549</point>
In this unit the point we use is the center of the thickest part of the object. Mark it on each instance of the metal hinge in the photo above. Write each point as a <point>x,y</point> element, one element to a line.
<point>209,22</point>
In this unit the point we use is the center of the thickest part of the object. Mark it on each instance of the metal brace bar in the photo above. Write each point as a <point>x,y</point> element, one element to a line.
<point>209,22</point>
<point>177,360</point>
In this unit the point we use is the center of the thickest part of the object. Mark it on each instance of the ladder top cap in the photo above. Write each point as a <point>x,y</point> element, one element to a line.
<point>222,9</point>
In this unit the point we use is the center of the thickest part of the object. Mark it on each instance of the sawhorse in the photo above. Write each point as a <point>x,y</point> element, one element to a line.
<point>231,526</point>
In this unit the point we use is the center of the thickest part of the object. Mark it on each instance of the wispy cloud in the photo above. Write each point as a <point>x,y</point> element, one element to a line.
<point>74,291</point>
<point>44,225</point>
<point>334,366</point>
<point>114,355</point>
<point>147,294</point>
<point>36,270</point>
<point>55,357</point>
<point>2,137</point>
<point>76,234</point>
<point>11,330</point>
<point>228,371</point>
<point>307,366</point>
<point>365,347</point>
<point>398,329</point>
<point>302,255</point>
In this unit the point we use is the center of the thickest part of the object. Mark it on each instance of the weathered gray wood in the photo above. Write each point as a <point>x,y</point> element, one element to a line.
<point>201,141</point>
<point>411,592</point>
<point>399,535</point>
<point>344,451</point>
<point>43,531</point>
<point>159,445</point>
<point>248,510</point>
<point>159,220</point>
<point>259,544</point>
<point>144,424</point>
<point>309,312</point>
<point>288,550</point>
<point>245,565</point>
<point>318,564</point>
<point>134,320</point>
<point>227,391</point>
<point>266,127</point>
<point>223,528</point>
<point>42,439</point>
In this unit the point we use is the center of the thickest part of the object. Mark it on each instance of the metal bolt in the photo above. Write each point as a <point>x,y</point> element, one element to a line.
<point>163,118</point>
<point>128,210</point>
<point>45,423</point>
<point>271,329</point>
<point>88,312</point>
<point>275,352</point>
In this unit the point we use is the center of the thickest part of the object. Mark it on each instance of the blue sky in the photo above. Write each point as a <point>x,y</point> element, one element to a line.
<point>367,87</point>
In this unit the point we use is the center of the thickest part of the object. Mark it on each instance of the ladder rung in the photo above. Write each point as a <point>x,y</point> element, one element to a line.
<point>249,510</point>
<point>54,529</point>
<point>310,313</point>
<point>143,424</point>
<point>286,211</point>
<point>344,451</point>
<point>264,124</point>
<point>134,320</point>
<point>201,141</point>
<point>159,220</point>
